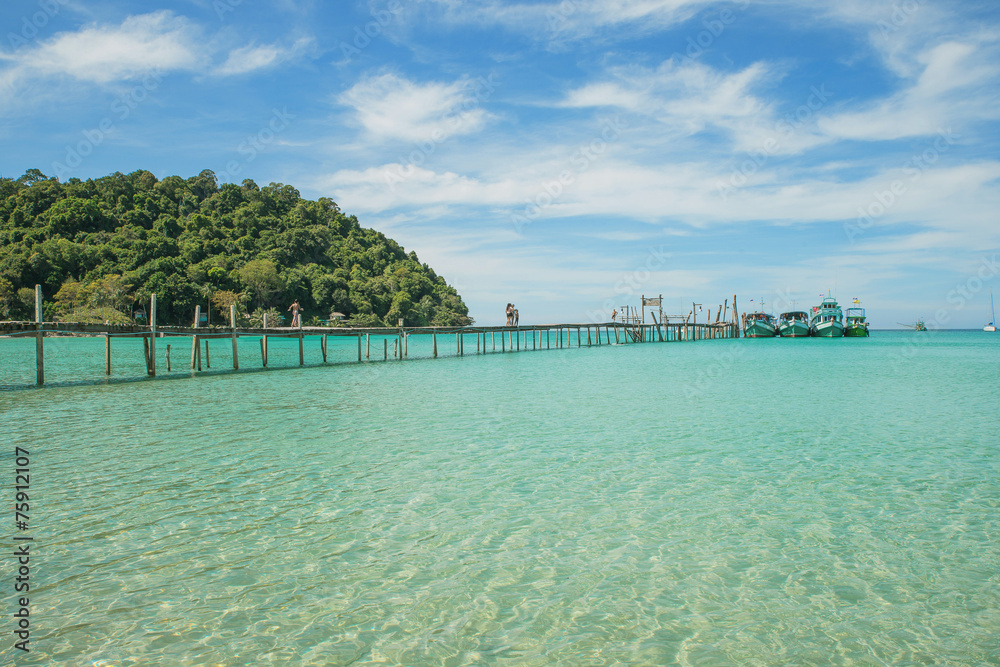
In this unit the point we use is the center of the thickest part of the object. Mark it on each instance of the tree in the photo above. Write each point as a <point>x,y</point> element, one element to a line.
<point>111,291</point>
<point>71,296</point>
<point>7,295</point>
<point>261,278</point>
<point>225,299</point>
<point>26,296</point>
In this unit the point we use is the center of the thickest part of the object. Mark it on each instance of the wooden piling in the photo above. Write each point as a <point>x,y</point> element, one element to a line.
<point>107,354</point>
<point>168,357</point>
<point>263,341</point>
<point>195,352</point>
<point>152,335</point>
<point>406,345</point>
<point>322,347</point>
<point>232,318</point>
<point>385,349</point>
<point>359,345</point>
<point>434,342</point>
<point>208,358</point>
<point>302,352</point>
<point>39,346</point>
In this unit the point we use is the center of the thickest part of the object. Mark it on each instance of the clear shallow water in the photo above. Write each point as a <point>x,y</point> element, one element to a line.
<point>747,502</point>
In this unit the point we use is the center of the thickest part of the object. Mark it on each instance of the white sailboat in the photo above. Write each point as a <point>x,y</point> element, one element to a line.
<point>993,317</point>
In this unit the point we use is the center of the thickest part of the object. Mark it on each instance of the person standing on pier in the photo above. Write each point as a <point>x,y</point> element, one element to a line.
<point>296,313</point>
<point>510,313</point>
<point>516,317</point>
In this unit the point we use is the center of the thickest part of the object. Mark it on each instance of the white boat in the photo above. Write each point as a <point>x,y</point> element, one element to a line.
<point>993,317</point>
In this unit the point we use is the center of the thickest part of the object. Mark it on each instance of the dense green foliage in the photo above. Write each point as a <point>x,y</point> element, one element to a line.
<point>114,241</point>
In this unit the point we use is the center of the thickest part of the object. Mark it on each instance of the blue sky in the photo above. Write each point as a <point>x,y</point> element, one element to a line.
<point>567,156</point>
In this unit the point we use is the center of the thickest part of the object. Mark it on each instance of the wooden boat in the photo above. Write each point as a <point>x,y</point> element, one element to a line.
<point>759,325</point>
<point>856,325</point>
<point>793,324</point>
<point>826,319</point>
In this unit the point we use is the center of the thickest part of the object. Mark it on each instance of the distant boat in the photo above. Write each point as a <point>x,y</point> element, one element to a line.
<point>856,325</point>
<point>916,326</point>
<point>826,319</point>
<point>993,317</point>
<point>759,325</point>
<point>793,324</point>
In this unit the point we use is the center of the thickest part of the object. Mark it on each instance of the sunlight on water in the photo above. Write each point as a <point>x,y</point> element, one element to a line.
<point>747,502</point>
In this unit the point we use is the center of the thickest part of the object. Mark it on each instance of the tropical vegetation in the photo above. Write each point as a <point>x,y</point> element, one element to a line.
<point>99,248</point>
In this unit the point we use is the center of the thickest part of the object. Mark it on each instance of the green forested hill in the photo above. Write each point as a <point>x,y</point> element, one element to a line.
<point>100,247</point>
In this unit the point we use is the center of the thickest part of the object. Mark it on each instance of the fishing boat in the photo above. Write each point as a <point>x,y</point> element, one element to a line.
<point>759,325</point>
<point>916,326</point>
<point>856,326</point>
<point>826,319</point>
<point>993,317</point>
<point>793,324</point>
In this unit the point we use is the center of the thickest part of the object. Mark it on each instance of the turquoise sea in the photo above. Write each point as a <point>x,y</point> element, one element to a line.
<point>729,502</point>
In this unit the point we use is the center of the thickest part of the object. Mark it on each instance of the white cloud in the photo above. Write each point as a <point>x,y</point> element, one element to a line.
<point>391,107</point>
<point>567,20</point>
<point>251,58</point>
<point>101,54</point>
<point>685,96</point>
<point>950,90</point>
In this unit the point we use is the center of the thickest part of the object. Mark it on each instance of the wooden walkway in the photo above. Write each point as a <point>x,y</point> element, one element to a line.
<point>511,339</point>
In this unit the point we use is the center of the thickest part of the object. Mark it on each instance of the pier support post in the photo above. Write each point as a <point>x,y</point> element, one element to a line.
<point>359,346</point>
<point>302,352</point>
<point>39,346</point>
<point>232,319</point>
<point>493,335</point>
<point>385,349</point>
<point>368,346</point>
<point>107,354</point>
<point>152,335</point>
<point>322,346</point>
<point>208,358</point>
<point>168,358</point>
<point>458,344</point>
<point>434,343</point>
<point>406,345</point>
<point>263,342</point>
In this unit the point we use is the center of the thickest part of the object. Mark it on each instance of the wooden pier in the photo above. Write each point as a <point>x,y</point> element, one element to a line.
<point>511,338</point>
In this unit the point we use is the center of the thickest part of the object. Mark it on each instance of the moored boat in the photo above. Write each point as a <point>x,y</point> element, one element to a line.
<point>759,325</point>
<point>856,326</point>
<point>793,324</point>
<point>826,319</point>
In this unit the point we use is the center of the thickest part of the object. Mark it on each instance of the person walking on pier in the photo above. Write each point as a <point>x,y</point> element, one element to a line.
<point>296,313</point>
